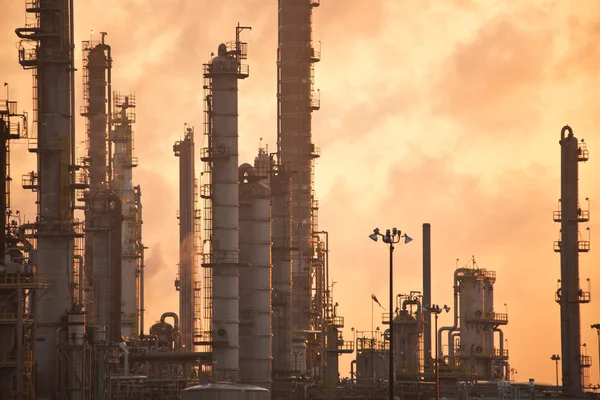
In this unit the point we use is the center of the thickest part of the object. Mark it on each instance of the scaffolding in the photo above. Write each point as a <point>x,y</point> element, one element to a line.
<point>205,194</point>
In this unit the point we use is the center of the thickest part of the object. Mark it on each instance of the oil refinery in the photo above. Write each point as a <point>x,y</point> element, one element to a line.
<point>257,316</point>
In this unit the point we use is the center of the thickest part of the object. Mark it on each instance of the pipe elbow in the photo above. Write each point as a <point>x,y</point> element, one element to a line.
<point>20,33</point>
<point>172,315</point>
<point>566,129</point>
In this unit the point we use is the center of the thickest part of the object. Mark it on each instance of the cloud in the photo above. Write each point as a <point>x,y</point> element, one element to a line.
<point>502,66</point>
<point>440,112</point>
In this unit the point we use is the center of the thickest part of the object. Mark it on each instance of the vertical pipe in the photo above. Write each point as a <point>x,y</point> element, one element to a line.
<point>4,132</point>
<point>20,308</point>
<point>427,293</point>
<point>391,353</point>
<point>141,249</point>
<point>72,95</point>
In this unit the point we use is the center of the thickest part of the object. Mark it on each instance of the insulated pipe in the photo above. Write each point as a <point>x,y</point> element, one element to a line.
<point>452,328</point>
<point>138,194</point>
<point>23,238</point>
<point>501,339</point>
<point>27,36</point>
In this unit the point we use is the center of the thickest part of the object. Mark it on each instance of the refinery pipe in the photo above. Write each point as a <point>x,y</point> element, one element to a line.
<point>452,328</point>
<point>79,259</point>
<point>125,351</point>
<point>175,319</point>
<point>176,333</point>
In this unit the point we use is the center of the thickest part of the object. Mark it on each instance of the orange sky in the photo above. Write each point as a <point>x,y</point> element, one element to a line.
<point>431,111</point>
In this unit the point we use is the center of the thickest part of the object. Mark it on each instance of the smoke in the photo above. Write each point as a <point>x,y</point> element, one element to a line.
<point>160,295</point>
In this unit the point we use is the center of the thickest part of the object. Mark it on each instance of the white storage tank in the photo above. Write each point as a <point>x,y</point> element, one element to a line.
<point>255,392</point>
<point>214,391</point>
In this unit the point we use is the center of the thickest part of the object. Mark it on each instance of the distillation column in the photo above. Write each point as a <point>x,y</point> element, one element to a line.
<point>569,294</point>
<point>281,193</point>
<point>223,72</point>
<point>96,75</point>
<point>49,51</point>
<point>297,152</point>
<point>105,225</point>
<point>478,324</point>
<point>184,149</point>
<point>255,279</point>
<point>122,166</point>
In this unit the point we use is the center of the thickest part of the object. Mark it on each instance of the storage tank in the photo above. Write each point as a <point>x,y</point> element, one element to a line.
<point>214,391</point>
<point>164,333</point>
<point>406,343</point>
<point>371,361</point>
<point>255,392</point>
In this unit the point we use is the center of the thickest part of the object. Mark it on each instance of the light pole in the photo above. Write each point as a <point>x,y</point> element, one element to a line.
<point>597,328</point>
<point>435,309</point>
<point>391,237</point>
<point>556,358</point>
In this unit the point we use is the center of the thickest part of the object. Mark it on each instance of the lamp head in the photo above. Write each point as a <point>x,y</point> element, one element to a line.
<point>373,237</point>
<point>446,308</point>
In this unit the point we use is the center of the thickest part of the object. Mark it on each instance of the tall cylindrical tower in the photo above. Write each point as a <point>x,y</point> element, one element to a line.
<point>123,163</point>
<point>184,149</point>
<point>569,295</point>
<point>223,72</point>
<point>297,152</point>
<point>427,354</point>
<point>471,308</point>
<point>95,82</point>
<point>47,46</point>
<point>282,272</point>
<point>255,279</point>
<point>478,324</point>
